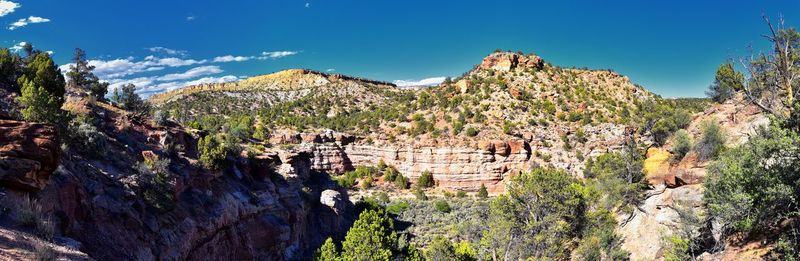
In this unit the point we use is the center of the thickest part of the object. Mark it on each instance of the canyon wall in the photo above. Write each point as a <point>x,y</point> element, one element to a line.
<point>459,166</point>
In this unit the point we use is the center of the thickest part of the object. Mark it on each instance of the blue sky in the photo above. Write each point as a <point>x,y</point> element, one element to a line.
<point>670,47</point>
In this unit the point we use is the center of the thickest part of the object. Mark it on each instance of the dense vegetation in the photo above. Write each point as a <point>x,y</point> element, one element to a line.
<point>753,189</point>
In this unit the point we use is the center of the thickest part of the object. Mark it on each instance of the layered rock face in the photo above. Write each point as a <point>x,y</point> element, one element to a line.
<point>462,166</point>
<point>29,153</point>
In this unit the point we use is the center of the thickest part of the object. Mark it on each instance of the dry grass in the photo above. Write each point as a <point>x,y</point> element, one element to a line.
<point>28,213</point>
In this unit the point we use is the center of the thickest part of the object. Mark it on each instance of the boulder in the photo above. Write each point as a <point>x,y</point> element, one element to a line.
<point>29,153</point>
<point>332,199</point>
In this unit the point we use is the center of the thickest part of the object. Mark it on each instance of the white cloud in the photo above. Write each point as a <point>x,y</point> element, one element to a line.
<point>17,47</point>
<point>168,51</point>
<point>25,21</point>
<point>190,18</point>
<point>423,82</point>
<point>117,71</point>
<point>7,7</point>
<point>205,80</point>
<point>308,5</point>
<point>191,73</point>
<point>121,67</point>
<point>330,70</point>
<point>231,58</point>
<point>176,62</point>
<point>276,54</point>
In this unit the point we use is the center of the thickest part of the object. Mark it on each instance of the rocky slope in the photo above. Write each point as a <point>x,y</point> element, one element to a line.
<point>269,207</point>
<point>675,204</point>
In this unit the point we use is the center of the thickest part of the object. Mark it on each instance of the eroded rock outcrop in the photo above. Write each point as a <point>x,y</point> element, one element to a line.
<point>504,61</point>
<point>29,153</point>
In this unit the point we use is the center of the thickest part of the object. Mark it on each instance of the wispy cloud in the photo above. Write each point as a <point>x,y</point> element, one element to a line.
<point>168,51</point>
<point>191,73</point>
<point>25,21</point>
<point>276,54</point>
<point>205,80</point>
<point>308,5</point>
<point>330,70</point>
<point>263,56</point>
<point>190,18</point>
<point>424,82</point>
<point>7,7</point>
<point>231,58</point>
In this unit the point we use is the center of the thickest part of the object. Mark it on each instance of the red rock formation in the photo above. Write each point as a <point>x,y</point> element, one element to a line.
<point>29,153</point>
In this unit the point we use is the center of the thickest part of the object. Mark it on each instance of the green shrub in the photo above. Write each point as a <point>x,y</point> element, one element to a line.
<point>681,144</point>
<point>425,180</point>
<point>212,152</point>
<point>366,183</point>
<point>397,208</point>
<point>401,182</point>
<point>461,194</point>
<point>472,132</point>
<point>86,139</point>
<point>753,187</point>
<point>712,140</point>
<point>419,194</point>
<point>383,197</point>
<point>389,174</point>
<point>442,206</point>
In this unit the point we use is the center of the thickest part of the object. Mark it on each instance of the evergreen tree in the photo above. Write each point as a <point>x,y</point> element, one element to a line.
<point>128,100</point>
<point>82,77</point>
<point>9,67</point>
<point>726,82</point>
<point>40,105</point>
<point>45,74</point>
<point>42,91</point>
<point>483,192</point>
<point>327,252</point>
<point>372,237</point>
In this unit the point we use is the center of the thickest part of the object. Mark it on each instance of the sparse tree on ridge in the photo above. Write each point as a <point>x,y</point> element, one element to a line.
<point>82,77</point>
<point>126,98</point>
<point>726,82</point>
<point>773,76</point>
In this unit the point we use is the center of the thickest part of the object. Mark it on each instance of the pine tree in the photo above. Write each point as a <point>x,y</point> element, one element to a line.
<point>42,90</point>
<point>327,252</point>
<point>372,237</point>
<point>40,105</point>
<point>82,77</point>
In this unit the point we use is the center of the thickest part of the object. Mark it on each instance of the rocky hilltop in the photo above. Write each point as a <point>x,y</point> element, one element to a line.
<point>510,113</point>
